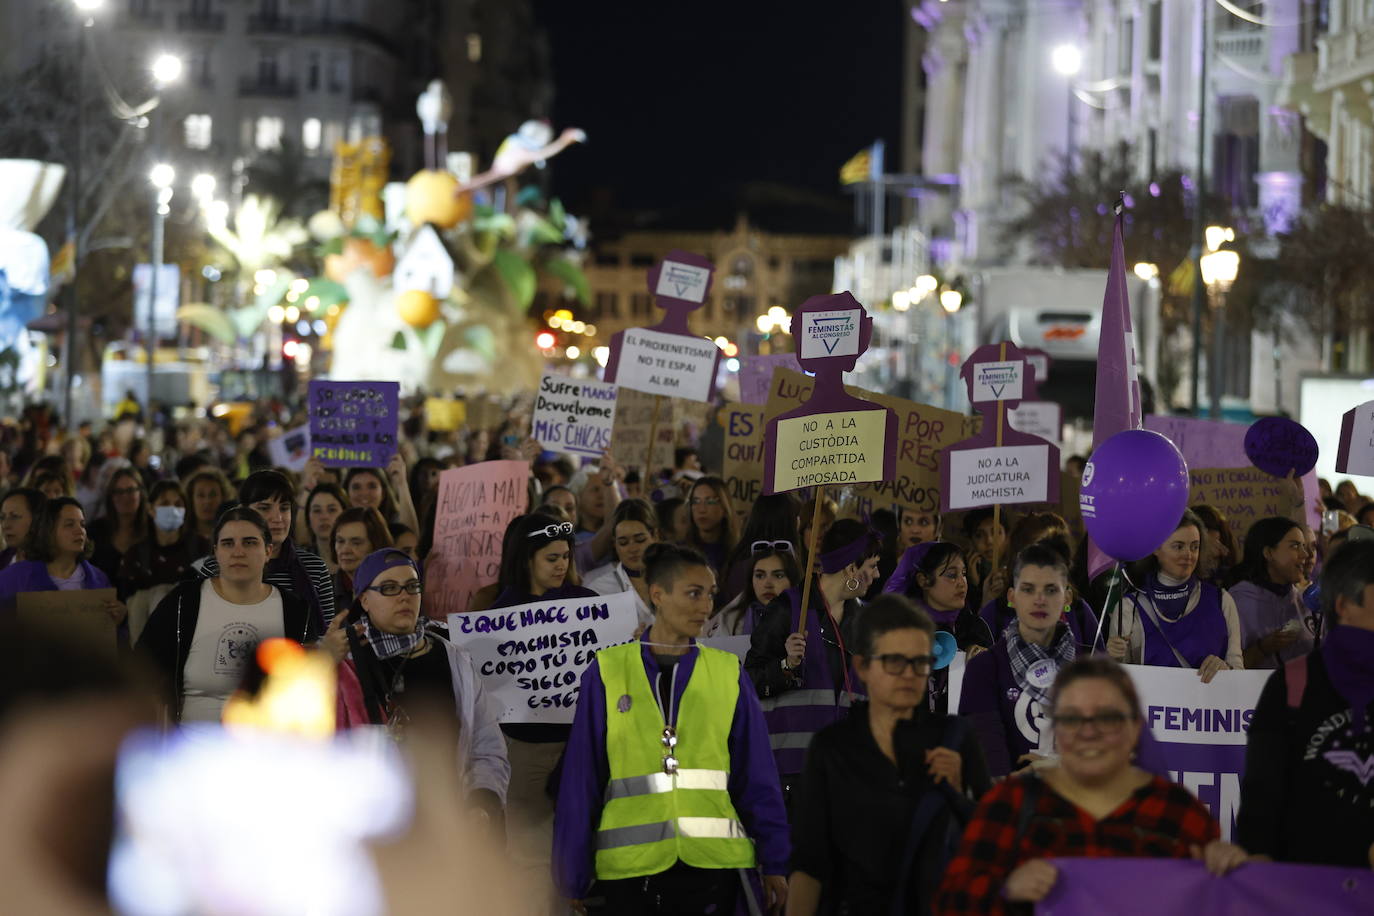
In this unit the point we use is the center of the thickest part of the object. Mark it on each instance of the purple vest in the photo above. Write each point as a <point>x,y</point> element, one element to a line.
<point>795,715</point>
<point>1198,634</point>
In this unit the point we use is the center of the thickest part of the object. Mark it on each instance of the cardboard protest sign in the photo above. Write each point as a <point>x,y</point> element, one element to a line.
<point>353,424</point>
<point>756,373</point>
<point>475,503</point>
<point>1280,447</point>
<point>1356,452</point>
<point>634,421</point>
<point>834,437</point>
<point>290,450</point>
<point>1000,465</point>
<point>668,359</point>
<point>1244,495</point>
<point>574,415</point>
<point>73,615</point>
<point>1201,730</point>
<point>531,656</point>
<point>444,415</point>
<point>922,433</point>
<point>743,465</point>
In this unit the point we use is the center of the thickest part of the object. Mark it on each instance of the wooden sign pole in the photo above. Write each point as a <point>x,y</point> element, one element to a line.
<point>649,453</point>
<point>811,548</point>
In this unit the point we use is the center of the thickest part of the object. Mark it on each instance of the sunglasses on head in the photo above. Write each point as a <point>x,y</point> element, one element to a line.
<point>561,529</point>
<point>761,546</point>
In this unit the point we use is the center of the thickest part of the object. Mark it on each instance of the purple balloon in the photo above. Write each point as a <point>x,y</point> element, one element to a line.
<point>1135,490</point>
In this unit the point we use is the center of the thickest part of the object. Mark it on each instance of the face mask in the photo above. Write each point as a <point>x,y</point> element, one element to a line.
<point>169,518</point>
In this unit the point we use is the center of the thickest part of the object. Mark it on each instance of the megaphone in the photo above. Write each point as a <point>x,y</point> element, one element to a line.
<point>946,647</point>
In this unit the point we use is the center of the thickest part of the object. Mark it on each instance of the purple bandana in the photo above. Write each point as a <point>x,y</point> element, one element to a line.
<point>1349,655</point>
<point>856,551</point>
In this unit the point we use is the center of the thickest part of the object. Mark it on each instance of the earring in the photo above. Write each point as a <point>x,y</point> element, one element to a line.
<point>1067,609</point>
<point>851,584</point>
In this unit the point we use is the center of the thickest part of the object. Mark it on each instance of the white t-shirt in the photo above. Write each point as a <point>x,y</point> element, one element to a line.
<point>226,637</point>
<point>73,583</point>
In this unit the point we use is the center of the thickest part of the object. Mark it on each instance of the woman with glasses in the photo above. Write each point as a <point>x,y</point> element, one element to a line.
<point>635,527</point>
<point>884,788</point>
<point>1173,619</point>
<point>711,521</point>
<point>668,792</point>
<point>123,523</point>
<point>934,575</point>
<point>394,661</point>
<point>806,679</point>
<point>298,572</point>
<point>1006,690</point>
<point>1093,803</point>
<point>772,570</point>
<point>1275,626</point>
<point>537,565</point>
<point>202,635</point>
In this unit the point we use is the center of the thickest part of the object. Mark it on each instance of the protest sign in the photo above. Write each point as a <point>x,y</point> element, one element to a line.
<point>844,447</point>
<point>1203,443</point>
<point>922,432</point>
<point>1279,446</point>
<point>685,282</point>
<point>1042,419</point>
<point>743,465</point>
<point>1355,454</point>
<point>672,365</point>
<point>482,411</point>
<point>353,424</point>
<point>71,615</point>
<point>1200,730</point>
<point>574,415</point>
<point>1244,495</point>
<point>531,656</point>
<point>634,423</point>
<point>444,415</point>
<point>290,450</point>
<point>999,465</point>
<point>1146,887</point>
<point>756,373</point>
<point>475,503</point>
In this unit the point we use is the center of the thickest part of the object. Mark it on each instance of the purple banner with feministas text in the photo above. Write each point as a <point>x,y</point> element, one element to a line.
<point>1199,731</point>
<point>1124,887</point>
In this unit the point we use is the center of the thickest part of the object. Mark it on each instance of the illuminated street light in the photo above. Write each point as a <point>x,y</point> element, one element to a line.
<point>1146,271</point>
<point>950,300</point>
<point>162,175</point>
<point>1216,236</point>
<point>901,300</point>
<point>1066,59</point>
<point>203,186</point>
<point>166,69</point>
<point>1219,269</point>
<point>927,284</point>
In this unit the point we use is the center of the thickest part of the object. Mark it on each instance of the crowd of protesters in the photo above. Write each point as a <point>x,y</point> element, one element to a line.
<point>830,769</point>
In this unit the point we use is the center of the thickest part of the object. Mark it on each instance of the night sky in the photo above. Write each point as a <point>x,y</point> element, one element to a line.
<point>685,100</point>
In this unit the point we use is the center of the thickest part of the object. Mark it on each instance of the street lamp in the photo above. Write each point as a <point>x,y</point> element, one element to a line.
<point>1219,269</point>
<point>165,69</point>
<point>1067,60</point>
<point>951,300</point>
<point>203,187</point>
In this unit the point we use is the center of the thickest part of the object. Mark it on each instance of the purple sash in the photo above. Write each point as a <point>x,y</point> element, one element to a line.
<point>1199,633</point>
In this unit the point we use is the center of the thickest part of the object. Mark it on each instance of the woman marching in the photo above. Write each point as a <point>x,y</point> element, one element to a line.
<point>806,680</point>
<point>771,571</point>
<point>1173,619</point>
<point>1006,690</point>
<point>1275,626</point>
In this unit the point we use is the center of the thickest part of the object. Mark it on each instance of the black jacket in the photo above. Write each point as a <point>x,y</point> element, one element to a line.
<point>166,638</point>
<point>1307,795</point>
<point>852,812</point>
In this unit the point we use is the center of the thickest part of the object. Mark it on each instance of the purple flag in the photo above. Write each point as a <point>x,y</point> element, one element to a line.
<point>1089,887</point>
<point>1117,404</point>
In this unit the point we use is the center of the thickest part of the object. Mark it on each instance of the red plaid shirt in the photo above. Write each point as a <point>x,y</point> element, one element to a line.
<point>1160,820</point>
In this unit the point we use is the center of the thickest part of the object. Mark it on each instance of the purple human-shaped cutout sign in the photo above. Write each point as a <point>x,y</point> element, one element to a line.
<point>1280,446</point>
<point>834,437</point>
<point>667,358</point>
<point>1000,464</point>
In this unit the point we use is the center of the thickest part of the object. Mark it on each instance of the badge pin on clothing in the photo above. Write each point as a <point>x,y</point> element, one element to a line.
<point>623,704</point>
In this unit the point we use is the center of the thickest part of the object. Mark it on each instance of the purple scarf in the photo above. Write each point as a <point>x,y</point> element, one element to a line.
<point>1171,600</point>
<point>1349,656</point>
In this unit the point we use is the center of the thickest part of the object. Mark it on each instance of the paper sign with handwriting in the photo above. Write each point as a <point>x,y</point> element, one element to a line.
<point>353,424</point>
<point>743,464</point>
<point>574,415</point>
<point>475,503</point>
<point>75,615</point>
<point>1038,418</point>
<point>672,365</point>
<point>1355,454</point>
<point>531,656</point>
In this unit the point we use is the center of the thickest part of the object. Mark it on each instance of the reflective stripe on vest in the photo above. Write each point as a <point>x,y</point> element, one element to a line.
<point>651,820</point>
<point>801,697</point>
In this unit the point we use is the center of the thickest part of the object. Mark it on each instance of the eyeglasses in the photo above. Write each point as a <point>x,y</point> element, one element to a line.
<point>669,741</point>
<point>897,664</point>
<point>562,529</point>
<point>1105,722</point>
<point>392,589</point>
<point>761,546</point>
<point>704,501</point>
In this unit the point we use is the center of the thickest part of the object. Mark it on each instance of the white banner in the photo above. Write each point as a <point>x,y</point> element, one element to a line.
<point>574,415</point>
<point>531,656</point>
